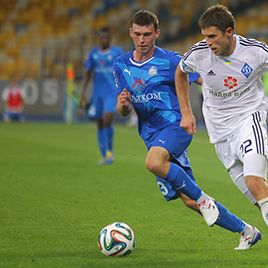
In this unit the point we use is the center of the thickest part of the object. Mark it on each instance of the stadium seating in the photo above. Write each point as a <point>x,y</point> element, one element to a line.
<point>37,34</point>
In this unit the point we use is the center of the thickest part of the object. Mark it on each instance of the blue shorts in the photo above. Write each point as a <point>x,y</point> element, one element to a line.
<point>101,105</point>
<point>175,140</point>
<point>10,116</point>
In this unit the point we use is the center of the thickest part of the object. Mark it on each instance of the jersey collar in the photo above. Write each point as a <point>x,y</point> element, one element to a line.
<point>137,63</point>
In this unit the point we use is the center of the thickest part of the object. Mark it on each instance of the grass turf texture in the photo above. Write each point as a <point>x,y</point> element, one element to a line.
<point>55,200</point>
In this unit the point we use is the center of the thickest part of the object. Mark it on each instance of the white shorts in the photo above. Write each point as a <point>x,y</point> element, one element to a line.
<point>245,152</point>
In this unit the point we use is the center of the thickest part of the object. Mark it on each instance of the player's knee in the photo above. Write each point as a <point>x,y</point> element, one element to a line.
<point>238,178</point>
<point>153,165</point>
<point>107,123</point>
<point>107,119</point>
<point>157,161</point>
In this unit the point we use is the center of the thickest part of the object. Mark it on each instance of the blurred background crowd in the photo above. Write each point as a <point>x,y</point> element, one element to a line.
<point>40,38</point>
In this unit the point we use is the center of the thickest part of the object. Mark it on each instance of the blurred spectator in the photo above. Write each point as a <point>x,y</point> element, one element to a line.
<point>13,96</point>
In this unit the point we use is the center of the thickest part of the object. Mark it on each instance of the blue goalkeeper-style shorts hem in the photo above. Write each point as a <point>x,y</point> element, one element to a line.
<point>176,141</point>
<point>20,116</point>
<point>103,104</point>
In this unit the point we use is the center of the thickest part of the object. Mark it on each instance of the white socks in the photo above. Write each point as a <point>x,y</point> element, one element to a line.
<point>247,230</point>
<point>202,198</point>
<point>264,209</point>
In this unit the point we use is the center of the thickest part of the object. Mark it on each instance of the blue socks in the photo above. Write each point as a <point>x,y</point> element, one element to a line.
<point>110,135</point>
<point>105,140</point>
<point>229,221</point>
<point>180,180</point>
<point>101,142</point>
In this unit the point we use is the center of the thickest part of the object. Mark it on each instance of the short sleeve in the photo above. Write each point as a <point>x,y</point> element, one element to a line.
<point>187,66</point>
<point>89,62</point>
<point>175,59</point>
<point>193,76</point>
<point>117,77</point>
<point>188,62</point>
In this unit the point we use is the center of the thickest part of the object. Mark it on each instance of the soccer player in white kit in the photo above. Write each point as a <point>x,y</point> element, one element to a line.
<point>231,67</point>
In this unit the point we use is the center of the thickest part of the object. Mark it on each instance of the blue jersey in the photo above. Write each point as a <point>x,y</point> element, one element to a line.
<point>101,64</point>
<point>152,87</point>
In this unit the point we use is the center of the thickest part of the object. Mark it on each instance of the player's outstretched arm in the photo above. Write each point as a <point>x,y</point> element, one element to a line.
<point>124,106</point>
<point>182,90</point>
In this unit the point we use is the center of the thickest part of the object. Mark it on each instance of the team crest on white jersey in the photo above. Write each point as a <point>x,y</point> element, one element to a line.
<point>230,82</point>
<point>153,71</point>
<point>246,70</point>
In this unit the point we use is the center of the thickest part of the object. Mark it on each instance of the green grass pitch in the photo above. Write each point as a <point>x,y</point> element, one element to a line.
<point>54,200</point>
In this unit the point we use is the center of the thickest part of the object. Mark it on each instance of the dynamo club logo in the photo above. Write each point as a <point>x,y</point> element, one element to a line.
<point>246,70</point>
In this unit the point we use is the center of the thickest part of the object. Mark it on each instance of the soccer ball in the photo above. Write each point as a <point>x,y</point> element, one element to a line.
<point>116,239</point>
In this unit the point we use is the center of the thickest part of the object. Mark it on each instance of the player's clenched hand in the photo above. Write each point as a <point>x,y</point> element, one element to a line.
<point>124,106</point>
<point>124,98</point>
<point>188,123</point>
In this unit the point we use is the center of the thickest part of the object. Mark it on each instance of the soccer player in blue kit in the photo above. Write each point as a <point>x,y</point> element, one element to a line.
<point>145,80</point>
<point>99,64</point>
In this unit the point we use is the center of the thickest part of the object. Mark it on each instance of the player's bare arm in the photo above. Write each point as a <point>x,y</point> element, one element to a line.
<point>182,89</point>
<point>83,96</point>
<point>124,106</point>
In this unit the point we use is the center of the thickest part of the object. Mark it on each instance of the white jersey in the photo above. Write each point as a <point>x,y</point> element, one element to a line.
<point>232,86</point>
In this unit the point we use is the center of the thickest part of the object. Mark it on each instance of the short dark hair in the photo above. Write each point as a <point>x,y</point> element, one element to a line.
<point>218,16</point>
<point>105,29</point>
<point>145,17</point>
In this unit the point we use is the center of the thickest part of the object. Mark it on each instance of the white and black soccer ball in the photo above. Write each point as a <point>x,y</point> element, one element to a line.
<point>116,239</point>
